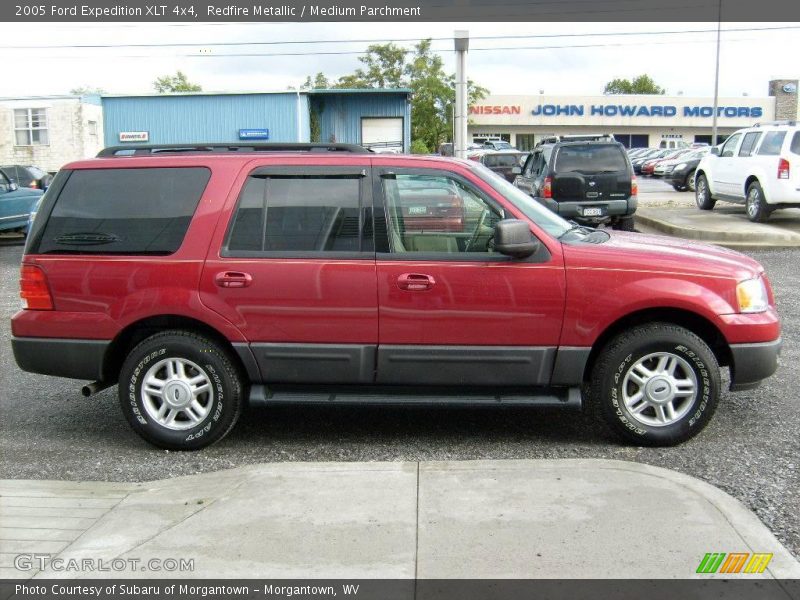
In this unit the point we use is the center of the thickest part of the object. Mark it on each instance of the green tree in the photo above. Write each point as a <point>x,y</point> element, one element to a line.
<point>421,70</point>
<point>643,84</point>
<point>318,82</point>
<point>175,83</point>
<point>87,90</point>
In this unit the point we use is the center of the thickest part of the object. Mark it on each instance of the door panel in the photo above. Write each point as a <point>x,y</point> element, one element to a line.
<point>296,273</point>
<point>485,318</point>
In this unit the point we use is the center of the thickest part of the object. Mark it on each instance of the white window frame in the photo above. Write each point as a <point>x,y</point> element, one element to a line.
<point>29,128</point>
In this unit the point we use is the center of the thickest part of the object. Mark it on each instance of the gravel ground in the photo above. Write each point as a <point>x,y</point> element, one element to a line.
<point>750,449</point>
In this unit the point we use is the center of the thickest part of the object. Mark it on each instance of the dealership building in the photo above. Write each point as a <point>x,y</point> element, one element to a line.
<point>51,131</point>
<point>634,120</point>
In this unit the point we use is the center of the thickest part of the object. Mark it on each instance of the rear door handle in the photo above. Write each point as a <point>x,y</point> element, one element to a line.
<point>415,282</point>
<point>233,279</point>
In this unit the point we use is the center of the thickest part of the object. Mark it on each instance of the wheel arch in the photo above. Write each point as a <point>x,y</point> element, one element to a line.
<point>139,330</point>
<point>694,322</point>
<point>749,181</point>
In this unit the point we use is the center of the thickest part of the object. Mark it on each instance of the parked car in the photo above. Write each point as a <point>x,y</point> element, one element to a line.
<point>649,166</point>
<point>655,153</point>
<point>590,181</point>
<point>503,163</point>
<point>198,280</point>
<point>16,204</point>
<point>497,144</point>
<point>665,165</point>
<point>680,171</point>
<point>753,167</point>
<point>27,176</point>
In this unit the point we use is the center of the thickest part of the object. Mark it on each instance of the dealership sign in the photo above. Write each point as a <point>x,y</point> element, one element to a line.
<point>254,134</point>
<point>621,110</point>
<point>134,136</point>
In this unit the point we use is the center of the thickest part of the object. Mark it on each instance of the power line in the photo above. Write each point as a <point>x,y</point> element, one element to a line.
<point>359,52</point>
<point>395,40</point>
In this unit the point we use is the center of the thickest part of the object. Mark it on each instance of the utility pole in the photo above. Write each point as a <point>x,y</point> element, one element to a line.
<point>461,39</point>
<point>716,79</point>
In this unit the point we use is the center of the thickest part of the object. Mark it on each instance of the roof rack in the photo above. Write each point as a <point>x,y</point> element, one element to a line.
<point>772,123</point>
<point>154,149</point>
<point>586,137</point>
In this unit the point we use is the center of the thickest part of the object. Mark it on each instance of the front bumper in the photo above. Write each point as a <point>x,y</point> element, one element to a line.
<point>752,363</point>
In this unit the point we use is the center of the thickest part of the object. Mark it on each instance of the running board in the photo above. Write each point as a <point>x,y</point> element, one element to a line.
<point>263,395</point>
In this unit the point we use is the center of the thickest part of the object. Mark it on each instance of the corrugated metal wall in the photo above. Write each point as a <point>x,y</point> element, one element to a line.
<point>341,114</point>
<point>199,118</point>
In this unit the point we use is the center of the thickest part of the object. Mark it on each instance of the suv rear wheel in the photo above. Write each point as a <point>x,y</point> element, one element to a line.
<point>702,195</point>
<point>757,209</point>
<point>180,390</point>
<point>624,224</point>
<point>656,384</point>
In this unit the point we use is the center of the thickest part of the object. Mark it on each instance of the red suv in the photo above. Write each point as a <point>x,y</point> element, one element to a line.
<point>202,278</point>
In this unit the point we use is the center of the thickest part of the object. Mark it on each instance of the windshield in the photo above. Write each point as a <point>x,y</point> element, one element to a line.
<point>550,222</point>
<point>590,159</point>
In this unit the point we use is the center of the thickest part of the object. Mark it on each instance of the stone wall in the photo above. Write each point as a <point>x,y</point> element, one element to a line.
<point>786,103</point>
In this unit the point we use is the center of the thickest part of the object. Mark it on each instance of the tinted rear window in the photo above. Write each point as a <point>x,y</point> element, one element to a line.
<point>771,146</point>
<point>590,159</point>
<point>796,143</point>
<point>124,211</point>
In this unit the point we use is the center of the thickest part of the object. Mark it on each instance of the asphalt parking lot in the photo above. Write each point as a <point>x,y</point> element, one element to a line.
<point>751,449</point>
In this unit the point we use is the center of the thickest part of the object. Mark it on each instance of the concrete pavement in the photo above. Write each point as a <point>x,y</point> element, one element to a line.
<point>470,519</point>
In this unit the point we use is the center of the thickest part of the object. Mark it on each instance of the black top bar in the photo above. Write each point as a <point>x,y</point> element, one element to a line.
<point>153,149</point>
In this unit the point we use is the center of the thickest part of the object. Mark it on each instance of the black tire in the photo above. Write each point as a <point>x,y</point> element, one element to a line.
<point>688,183</point>
<point>624,224</point>
<point>758,210</point>
<point>678,188</point>
<point>702,195</point>
<point>613,387</point>
<point>198,356</point>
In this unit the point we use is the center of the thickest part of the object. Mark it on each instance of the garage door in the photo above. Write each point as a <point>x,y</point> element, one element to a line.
<point>384,134</point>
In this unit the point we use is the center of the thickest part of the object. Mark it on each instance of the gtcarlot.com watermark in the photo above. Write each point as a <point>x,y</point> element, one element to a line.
<point>46,562</point>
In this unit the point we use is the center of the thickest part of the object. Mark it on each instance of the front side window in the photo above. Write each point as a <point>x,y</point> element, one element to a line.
<point>296,213</point>
<point>730,146</point>
<point>439,214</point>
<point>124,211</point>
<point>30,127</point>
<point>772,144</point>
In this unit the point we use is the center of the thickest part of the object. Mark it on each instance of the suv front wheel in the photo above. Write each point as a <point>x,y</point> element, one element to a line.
<point>180,390</point>
<point>656,384</point>
<point>702,194</point>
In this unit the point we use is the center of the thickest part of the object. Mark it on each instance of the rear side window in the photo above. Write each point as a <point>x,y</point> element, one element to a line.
<point>773,141</point>
<point>590,159</point>
<point>749,142</point>
<point>298,214</point>
<point>124,211</point>
<point>795,149</point>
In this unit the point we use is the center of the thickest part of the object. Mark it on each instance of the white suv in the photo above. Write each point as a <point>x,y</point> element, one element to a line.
<point>758,167</point>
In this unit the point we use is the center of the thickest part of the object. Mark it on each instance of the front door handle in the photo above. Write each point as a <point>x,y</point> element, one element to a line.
<point>415,282</point>
<point>233,279</point>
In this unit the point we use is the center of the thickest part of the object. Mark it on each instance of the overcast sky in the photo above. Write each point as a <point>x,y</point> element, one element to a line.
<point>682,62</point>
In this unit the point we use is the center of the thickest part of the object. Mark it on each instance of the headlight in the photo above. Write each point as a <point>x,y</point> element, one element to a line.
<point>679,167</point>
<point>752,296</point>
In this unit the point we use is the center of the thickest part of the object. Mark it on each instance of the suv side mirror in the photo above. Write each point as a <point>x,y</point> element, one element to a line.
<point>516,170</point>
<point>714,150</point>
<point>513,237</point>
<point>12,186</point>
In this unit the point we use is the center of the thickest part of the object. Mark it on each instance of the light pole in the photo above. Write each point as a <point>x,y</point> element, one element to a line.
<point>461,39</point>
<point>716,78</point>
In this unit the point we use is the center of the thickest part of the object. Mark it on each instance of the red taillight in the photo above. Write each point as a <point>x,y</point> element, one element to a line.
<point>547,190</point>
<point>634,187</point>
<point>783,169</point>
<point>33,288</point>
<point>34,185</point>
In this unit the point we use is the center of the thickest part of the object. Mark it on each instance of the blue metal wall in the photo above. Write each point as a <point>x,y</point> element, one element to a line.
<point>178,119</point>
<point>341,113</point>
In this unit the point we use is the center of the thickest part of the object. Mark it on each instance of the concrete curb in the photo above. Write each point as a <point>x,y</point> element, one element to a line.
<point>755,237</point>
<point>571,518</point>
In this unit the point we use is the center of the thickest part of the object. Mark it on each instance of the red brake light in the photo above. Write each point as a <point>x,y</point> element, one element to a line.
<point>634,187</point>
<point>33,288</point>
<point>548,187</point>
<point>783,169</point>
